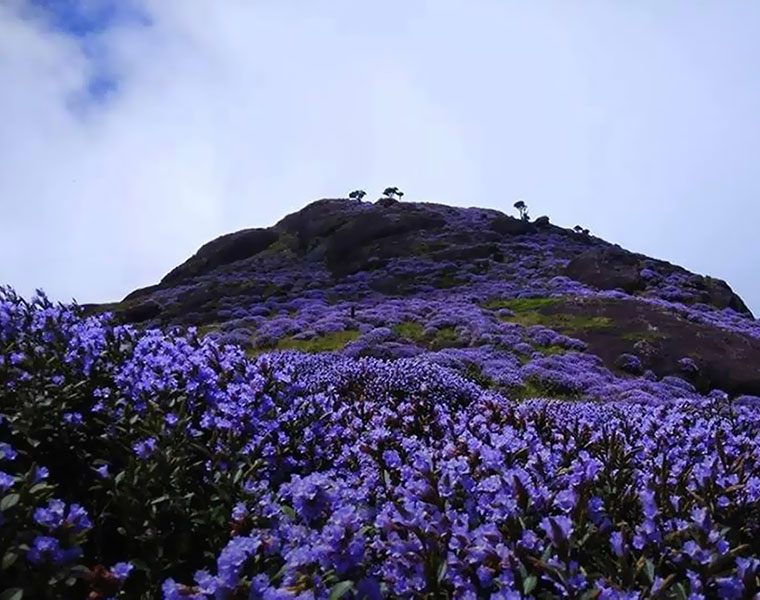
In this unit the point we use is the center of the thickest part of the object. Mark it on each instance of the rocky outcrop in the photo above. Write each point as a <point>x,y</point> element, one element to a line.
<point>223,251</point>
<point>610,268</point>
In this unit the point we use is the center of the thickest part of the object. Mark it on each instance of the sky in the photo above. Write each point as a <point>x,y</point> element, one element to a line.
<point>134,131</point>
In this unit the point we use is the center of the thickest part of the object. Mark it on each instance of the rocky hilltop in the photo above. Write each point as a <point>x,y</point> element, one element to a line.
<point>526,308</point>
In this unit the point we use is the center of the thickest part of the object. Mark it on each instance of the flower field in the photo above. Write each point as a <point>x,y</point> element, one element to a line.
<point>161,464</point>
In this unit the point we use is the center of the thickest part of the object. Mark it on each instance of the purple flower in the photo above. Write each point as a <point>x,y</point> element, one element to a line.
<point>172,590</point>
<point>558,528</point>
<point>648,504</point>
<point>51,516</point>
<point>78,518</point>
<point>73,418</point>
<point>239,512</point>
<point>102,471</point>
<point>145,448</point>
<point>207,583</point>
<point>48,549</point>
<point>233,557</point>
<point>6,481</point>
<point>40,473</point>
<point>617,543</point>
<point>7,452</point>
<point>566,500</point>
<point>730,587</point>
<point>122,570</point>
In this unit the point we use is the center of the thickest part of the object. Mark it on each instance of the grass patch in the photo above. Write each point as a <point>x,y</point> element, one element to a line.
<point>532,388</point>
<point>445,338</point>
<point>528,313</point>
<point>207,328</point>
<point>327,342</point>
<point>287,243</point>
<point>520,305</point>
<point>552,350</point>
<point>411,330</point>
<point>562,321</point>
<point>642,336</point>
<point>474,373</point>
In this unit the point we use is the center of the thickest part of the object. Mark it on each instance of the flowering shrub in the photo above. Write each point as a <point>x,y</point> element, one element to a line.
<point>149,464</point>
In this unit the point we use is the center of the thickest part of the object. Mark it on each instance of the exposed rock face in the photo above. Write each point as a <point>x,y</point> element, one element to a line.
<point>609,268</point>
<point>142,312</point>
<point>661,338</point>
<point>509,226</point>
<point>490,290</point>
<point>222,251</point>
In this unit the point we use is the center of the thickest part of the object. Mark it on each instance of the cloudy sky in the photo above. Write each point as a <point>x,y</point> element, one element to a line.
<point>133,131</point>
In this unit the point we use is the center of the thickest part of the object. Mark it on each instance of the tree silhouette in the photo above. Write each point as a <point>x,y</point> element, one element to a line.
<point>523,209</point>
<point>357,194</point>
<point>392,192</point>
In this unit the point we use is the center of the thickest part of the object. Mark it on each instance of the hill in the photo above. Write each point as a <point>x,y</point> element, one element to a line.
<point>526,307</point>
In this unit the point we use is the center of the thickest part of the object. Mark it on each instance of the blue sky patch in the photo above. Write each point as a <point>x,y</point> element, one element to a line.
<point>88,21</point>
<point>86,17</point>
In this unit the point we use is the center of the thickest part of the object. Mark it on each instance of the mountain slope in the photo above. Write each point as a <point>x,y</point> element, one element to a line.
<point>525,307</point>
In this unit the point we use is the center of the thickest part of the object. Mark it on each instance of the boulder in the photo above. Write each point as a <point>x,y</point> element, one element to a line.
<point>607,268</point>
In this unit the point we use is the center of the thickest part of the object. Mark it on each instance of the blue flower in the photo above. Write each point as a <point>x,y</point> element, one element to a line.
<point>78,518</point>
<point>6,481</point>
<point>48,549</point>
<point>616,541</point>
<point>145,448</point>
<point>122,570</point>
<point>7,452</point>
<point>558,528</point>
<point>52,515</point>
<point>40,473</point>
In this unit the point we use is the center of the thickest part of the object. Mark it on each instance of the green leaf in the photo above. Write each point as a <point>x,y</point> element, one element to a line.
<point>12,594</point>
<point>340,589</point>
<point>7,502</point>
<point>547,552</point>
<point>39,487</point>
<point>387,478</point>
<point>8,559</point>
<point>650,570</point>
<point>442,571</point>
<point>529,584</point>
